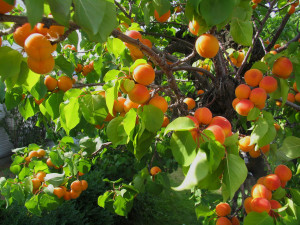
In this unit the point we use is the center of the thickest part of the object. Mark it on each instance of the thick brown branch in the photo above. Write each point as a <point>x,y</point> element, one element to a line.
<point>186,59</point>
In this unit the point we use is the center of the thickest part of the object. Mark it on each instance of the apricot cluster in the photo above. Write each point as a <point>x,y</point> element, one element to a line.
<point>223,211</point>
<point>163,18</point>
<point>237,61</point>
<point>63,83</point>
<point>244,145</point>
<point>246,98</point>
<point>294,97</point>
<point>261,193</point>
<point>37,45</point>
<point>136,53</point>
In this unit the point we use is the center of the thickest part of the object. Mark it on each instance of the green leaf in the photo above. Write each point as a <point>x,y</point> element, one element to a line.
<point>69,114</point>
<point>111,75</point>
<point>216,11</point>
<point>60,10</point>
<point>52,104</point>
<point>13,97</point>
<point>17,193</point>
<point>290,147</point>
<point>33,205</point>
<point>263,67</point>
<point>16,165</point>
<point>296,196</point>
<point>203,211</point>
<point>110,95</point>
<point>56,158</point>
<point>122,205</point>
<point>161,6</point>
<point>197,172</point>
<point>241,31</point>
<point>64,65</point>
<point>87,145</point>
<point>253,114</point>
<point>152,117</point>
<point>27,109</point>
<point>115,46</point>
<point>49,202</point>
<point>40,166</point>
<point>115,131</point>
<point>129,122</point>
<point>39,89</point>
<point>254,218</point>
<point>102,199</point>
<point>180,124</point>
<point>235,173</point>
<point>183,147</point>
<point>259,131</point>
<point>56,179</point>
<point>215,154</point>
<point>142,143</point>
<point>35,10</point>
<point>285,88</point>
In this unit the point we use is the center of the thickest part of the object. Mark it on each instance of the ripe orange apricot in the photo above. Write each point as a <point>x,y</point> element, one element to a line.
<point>283,172</point>
<point>38,102</point>
<point>297,97</point>
<point>143,74</point>
<point>254,154</point>
<point>223,123</point>
<point>78,68</point>
<point>119,104</point>
<point>207,46</point>
<point>296,3</point>
<point>247,204</point>
<point>256,1</point>
<point>260,191</point>
<point>223,221</point>
<point>74,194</point>
<point>190,103</point>
<point>243,107</point>
<point>194,27</point>
<point>160,103</point>
<point>163,18</point>
<point>194,120</point>
<point>71,47</point>
<point>260,180</point>
<point>59,192</point>
<point>22,33</point>
<point>128,104</point>
<point>272,182</point>
<point>200,92</point>
<point>206,67</point>
<point>49,163</point>
<point>38,47</point>
<point>133,34</point>
<point>244,144</point>
<point>203,115</point>
<point>177,9</point>
<point>282,68</point>
<point>265,148</point>
<point>84,185</point>
<point>41,66</point>
<point>67,196</point>
<point>223,209</point>
<point>235,221</point>
<point>41,153</point>
<point>40,176</point>
<point>76,186</point>
<point>155,170</point>
<point>65,83</point>
<point>218,132</point>
<point>277,126</point>
<point>0,39</point>
<point>165,122</point>
<point>258,96</point>
<point>33,154</point>
<point>295,87</point>
<point>36,183</point>
<point>260,205</point>
<point>242,91</point>
<point>253,77</point>
<point>234,102</point>
<point>291,10</point>
<point>275,204</point>
<point>139,94</point>
<point>52,32</point>
<point>269,84</point>
<point>5,7</point>
<point>291,97</point>
<point>50,82</point>
<point>276,46</point>
<point>147,42</point>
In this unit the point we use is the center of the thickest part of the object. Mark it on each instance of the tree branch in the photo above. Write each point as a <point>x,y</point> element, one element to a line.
<point>282,48</point>
<point>122,9</point>
<point>197,69</point>
<point>288,103</point>
<point>101,148</point>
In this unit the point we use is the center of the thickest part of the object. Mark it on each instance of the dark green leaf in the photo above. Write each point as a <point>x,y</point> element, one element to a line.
<point>35,10</point>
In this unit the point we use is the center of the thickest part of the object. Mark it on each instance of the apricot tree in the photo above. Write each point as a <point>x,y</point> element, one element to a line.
<point>210,85</point>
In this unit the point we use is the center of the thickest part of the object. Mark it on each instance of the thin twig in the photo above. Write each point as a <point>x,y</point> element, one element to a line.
<point>101,148</point>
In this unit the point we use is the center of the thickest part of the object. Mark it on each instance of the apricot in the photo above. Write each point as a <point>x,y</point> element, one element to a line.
<point>223,221</point>
<point>242,91</point>
<point>253,77</point>
<point>247,204</point>
<point>163,18</point>
<point>265,148</point>
<point>291,97</point>
<point>223,123</point>
<point>278,103</point>
<point>155,170</point>
<point>41,66</point>
<point>38,102</point>
<point>33,154</point>
<point>147,42</point>
<point>160,103</point>
<point>218,132</point>
<point>254,6</point>
<point>297,97</point>
<point>177,9</point>
<point>78,68</point>
<point>194,120</point>
<point>135,53</point>
<point>295,87</point>
<point>244,144</point>
<point>283,172</point>
<point>194,27</point>
<point>203,115</point>
<point>243,107</point>
<point>50,82</point>
<point>36,183</point>
<point>139,94</point>
<point>258,96</point>
<point>260,191</point>
<point>282,68</point>
<point>119,104</point>
<point>269,84</point>
<point>143,74</point>
<point>206,67</point>
<point>260,205</point>
<point>22,33</point>
<point>109,117</point>
<point>76,186</point>
<point>65,83</point>
<point>99,127</point>
<point>59,192</point>
<point>52,32</point>
<point>74,194</point>
<point>41,153</point>
<point>256,1</point>
<point>291,10</point>
<point>272,182</point>
<point>5,7</point>
<point>133,34</point>
<point>49,163</point>
<point>67,196</point>
<point>260,180</point>
<point>190,103</point>
<point>128,104</point>
<point>277,126</point>
<point>207,46</point>
<point>165,122</point>
<point>275,204</point>
<point>235,221</point>
<point>41,175</point>
<point>71,47</point>
<point>38,47</point>
<point>223,209</point>
<point>235,102</point>
<point>273,52</point>
<point>283,183</point>
<point>240,57</point>
<point>84,184</point>
<point>295,4</point>
<point>254,154</point>
<point>200,92</point>
<point>86,70</point>
<point>276,46</point>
